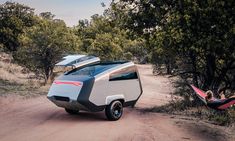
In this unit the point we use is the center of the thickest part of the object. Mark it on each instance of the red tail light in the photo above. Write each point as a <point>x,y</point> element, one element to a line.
<point>68,83</point>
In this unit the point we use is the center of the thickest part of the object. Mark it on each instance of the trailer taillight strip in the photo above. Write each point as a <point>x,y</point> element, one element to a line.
<point>69,83</point>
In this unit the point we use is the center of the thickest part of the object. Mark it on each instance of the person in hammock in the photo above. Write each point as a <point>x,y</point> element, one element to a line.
<point>211,99</point>
<point>218,104</point>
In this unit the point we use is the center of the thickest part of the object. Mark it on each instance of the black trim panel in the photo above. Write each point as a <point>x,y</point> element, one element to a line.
<point>141,89</point>
<point>61,98</point>
<point>83,97</point>
<point>129,103</point>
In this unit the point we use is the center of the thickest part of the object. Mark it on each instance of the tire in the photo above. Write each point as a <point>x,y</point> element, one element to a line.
<point>114,110</point>
<point>72,112</point>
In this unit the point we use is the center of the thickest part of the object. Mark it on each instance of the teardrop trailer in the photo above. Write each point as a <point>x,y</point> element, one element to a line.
<point>96,86</point>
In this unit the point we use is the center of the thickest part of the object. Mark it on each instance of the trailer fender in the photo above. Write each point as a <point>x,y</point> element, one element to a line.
<point>111,98</point>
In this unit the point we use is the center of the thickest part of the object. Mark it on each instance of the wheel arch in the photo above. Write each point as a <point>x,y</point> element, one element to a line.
<point>110,99</point>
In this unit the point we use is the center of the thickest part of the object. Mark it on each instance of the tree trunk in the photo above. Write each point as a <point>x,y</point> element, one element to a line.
<point>48,76</point>
<point>221,77</point>
<point>168,67</point>
<point>210,71</point>
<point>194,68</point>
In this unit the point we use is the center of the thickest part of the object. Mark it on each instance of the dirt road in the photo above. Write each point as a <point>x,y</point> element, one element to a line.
<point>37,119</point>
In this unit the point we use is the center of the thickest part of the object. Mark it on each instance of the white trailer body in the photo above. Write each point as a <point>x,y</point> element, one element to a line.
<point>97,87</point>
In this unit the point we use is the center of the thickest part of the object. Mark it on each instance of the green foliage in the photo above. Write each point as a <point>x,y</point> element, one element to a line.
<point>14,19</point>
<point>43,45</point>
<point>195,36</point>
<point>47,15</point>
<point>222,118</point>
<point>38,42</point>
<point>104,47</point>
<point>103,38</point>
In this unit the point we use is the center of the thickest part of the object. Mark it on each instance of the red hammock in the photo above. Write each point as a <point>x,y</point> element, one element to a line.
<point>221,105</point>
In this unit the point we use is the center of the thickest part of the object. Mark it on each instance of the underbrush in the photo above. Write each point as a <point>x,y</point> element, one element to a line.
<point>181,107</point>
<point>15,79</point>
<point>185,102</point>
<point>12,88</point>
<point>223,117</point>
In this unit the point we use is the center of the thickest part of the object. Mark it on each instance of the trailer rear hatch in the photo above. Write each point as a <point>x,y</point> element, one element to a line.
<point>78,60</point>
<point>65,90</point>
<point>67,86</point>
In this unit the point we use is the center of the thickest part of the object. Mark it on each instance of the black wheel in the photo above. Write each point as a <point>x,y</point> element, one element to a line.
<point>72,112</point>
<point>114,110</point>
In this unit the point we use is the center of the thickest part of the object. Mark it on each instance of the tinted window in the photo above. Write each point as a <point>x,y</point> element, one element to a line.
<point>91,70</point>
<point>124,74</point>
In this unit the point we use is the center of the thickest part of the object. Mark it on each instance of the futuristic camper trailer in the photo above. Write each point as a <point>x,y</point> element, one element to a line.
<point>94,86</point>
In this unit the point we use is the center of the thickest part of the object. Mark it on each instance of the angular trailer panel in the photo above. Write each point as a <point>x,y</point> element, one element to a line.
<point>121,81</point>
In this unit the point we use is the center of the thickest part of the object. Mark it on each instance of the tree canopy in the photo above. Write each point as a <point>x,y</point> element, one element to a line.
<point>193,39</point>
<point>44,44</point>
<point>103,38</point>
<point>196,35</point>
<point>14,19</point>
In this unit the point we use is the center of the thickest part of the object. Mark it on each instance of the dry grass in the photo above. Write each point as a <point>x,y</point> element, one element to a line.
<point>186,103</point>
<point>14,79</point>
<point>181,107</point>
<point>14,73</point>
